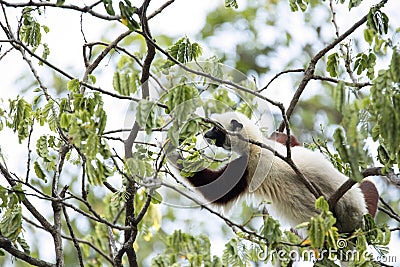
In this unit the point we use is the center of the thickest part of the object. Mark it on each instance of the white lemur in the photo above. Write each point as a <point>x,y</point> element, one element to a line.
<point>256,170</point>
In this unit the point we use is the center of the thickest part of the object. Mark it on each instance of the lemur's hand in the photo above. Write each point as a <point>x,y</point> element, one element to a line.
<point>173,156</point>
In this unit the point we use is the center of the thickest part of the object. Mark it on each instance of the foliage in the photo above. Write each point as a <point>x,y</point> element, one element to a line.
<point>96,191</point>
<point>183,248</point>
<point>384,107</point>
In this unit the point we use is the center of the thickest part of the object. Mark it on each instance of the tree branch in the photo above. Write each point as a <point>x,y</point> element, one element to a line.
<point>130,235</point>
<point>309,73</point>
<point>345,54</point>
<point>151,51</point>
<point>86,9</point>
<point>82,241</point>
<point>333,80</point>
<point>38,216</point>
<point>8,246</point>
<point>102,55</point>
<point>346,186</point>
<point>278,75</point>
<point>160,9</point>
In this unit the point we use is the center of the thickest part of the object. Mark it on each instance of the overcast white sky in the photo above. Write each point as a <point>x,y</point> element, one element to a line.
<point>65,42</point>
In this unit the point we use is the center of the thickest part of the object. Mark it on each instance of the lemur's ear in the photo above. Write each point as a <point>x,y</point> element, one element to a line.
<point>236,126</point>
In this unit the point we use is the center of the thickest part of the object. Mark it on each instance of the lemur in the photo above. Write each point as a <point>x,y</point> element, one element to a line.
<point>258,171</point>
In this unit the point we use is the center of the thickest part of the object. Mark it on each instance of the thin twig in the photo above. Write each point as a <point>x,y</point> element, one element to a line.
<point>333,80</point>
<point>86,9</point>
<point>346,53</point>
<point>309,72</point>
<point>160,9</point>
<point>278,75</point>
<point>251,235</point>
<point>18,44</point>
<point>71,232</point>
<point>82,241</point>
<point>8,246</point>
<point>393,214</point>
<point>28,162</point>
<point>102,55</point>
<point>57,207</point>
<point>38,216</point>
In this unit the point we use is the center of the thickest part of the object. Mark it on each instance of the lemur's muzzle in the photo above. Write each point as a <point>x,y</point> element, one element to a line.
<point>215,136</point>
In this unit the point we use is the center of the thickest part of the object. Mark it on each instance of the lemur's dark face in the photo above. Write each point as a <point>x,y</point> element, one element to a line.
<point>219,137</point>
<point>215,134</point>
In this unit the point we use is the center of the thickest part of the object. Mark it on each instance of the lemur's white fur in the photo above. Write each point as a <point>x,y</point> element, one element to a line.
<point>273,179</point>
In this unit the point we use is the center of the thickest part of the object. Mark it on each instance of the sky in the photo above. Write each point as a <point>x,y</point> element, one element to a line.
<point>65,41</point>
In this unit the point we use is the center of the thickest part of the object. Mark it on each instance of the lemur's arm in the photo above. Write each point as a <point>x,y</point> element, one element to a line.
<point>219,186</point>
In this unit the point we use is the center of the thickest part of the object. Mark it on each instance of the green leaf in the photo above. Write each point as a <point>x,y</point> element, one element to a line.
<point>365,62</point>
<point>24,245</point>
<point>11,223</point>
<point>108,5</point>
<point>339,143</point>
<point>271,230</point>
<point>30,30</point>
<point>42,147</point>
<point>46,29</point>
<point>145,115</point>
<point>296,4</point>
<point>182,101</point>
<point>101,124</point>
<point>322,204</point>
<point>184,51</point>
<point>127,12</point>
<point>383,155</point>
<point>137,166</point>
<point>156,198</point>
<point>91,146</point>
<point>354,3</point>
<point>73,85</point>
<point>385,103</point>
<point>234,254</point>
<point>369,36</point>
<point>39,172</point>
<point>395,66</point>
<point>3,197</point>
<point>97,172</point>
<point>193,249</point>
<point>189,129</point>
<point>126,83</point>
<point>377,21</point>
<point>22,118</point>
<point>332,66</point>
<point>19,193</point>
<point>65,120</point>
<point>45,54</point>
<point>60,2</point>
<point>92,79</point>
<point>339,96</point>
<point>347,154</point>
<point>231,3</point>
<point>317,232</point>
